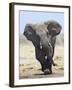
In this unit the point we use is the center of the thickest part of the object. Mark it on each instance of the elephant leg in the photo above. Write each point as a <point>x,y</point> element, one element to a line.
<point>50,68</point>
<point>37,53</point>
<point>42,66</point>
<point>53,41</point>
<point>40,57</point>
<point>54,64</point>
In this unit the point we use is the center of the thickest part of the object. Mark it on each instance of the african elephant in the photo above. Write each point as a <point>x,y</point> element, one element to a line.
<point>43,37</point>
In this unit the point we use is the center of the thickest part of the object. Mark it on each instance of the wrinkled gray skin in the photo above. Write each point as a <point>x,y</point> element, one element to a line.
<point>43,38</point>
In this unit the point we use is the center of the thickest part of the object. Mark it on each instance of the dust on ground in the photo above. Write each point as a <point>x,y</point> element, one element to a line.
<point>29,67</point>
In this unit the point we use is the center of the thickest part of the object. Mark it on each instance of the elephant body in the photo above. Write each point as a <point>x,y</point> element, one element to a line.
<point>43,37</point>
<point>40,55</point>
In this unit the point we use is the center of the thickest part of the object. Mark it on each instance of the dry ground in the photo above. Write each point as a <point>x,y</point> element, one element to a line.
<point>30,67</point>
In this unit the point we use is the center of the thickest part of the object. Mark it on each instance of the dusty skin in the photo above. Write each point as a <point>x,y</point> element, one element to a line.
<point>29,67</point>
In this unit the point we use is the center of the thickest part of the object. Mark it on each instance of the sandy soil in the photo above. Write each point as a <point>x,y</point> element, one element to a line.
<point>30,68</point>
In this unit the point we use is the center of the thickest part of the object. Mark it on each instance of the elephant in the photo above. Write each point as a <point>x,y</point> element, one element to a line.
<point>43,37</point>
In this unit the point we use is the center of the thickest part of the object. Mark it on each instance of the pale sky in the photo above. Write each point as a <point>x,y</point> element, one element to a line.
<point>38,17</point>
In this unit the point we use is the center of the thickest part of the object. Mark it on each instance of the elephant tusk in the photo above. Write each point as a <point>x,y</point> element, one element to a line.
<point>50,44</point>
<point>40,45</point>
<point>45,57</point>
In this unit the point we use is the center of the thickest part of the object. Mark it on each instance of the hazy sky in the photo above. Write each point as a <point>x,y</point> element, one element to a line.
<point>38,17</point>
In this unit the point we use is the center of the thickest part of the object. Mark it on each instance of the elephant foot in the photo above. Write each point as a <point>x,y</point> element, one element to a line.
<point>47,71</point>
<point>54,64</point>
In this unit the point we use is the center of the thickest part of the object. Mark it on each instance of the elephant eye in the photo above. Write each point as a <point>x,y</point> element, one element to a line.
<point>48,34</point>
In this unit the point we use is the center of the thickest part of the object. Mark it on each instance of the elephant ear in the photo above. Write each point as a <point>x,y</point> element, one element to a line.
<point>53,27</point>
<point>29,32</point>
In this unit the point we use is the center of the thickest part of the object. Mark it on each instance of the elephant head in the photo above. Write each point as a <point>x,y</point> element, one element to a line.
<point>43,38</point>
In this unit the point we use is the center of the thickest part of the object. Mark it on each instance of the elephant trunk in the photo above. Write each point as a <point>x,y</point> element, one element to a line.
<point>46,46</point>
